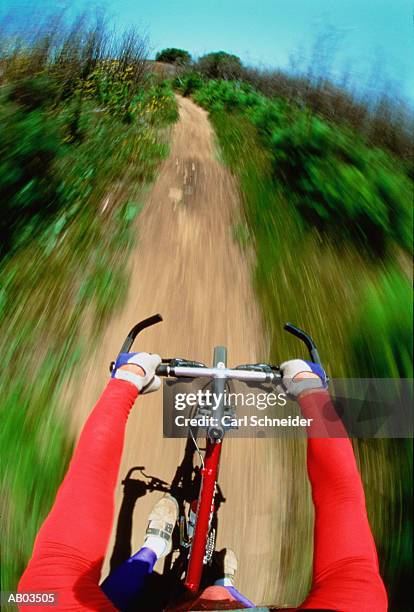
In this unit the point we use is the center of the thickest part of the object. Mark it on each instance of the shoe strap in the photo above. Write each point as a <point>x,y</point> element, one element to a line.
<point>163,533</point>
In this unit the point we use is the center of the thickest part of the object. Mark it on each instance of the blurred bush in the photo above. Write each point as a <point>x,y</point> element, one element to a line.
<point>172,55</point>
<point>216,95</point>
<point>384,121</point>
<point>58,90</point>
<point>340,184</point>
<point>189,83</point>
<point>37,92</point>
<point>382,343</point>
<point>157,104</point>
<point>30,143</point>
<point>336,181</point>
<point>220,65</point>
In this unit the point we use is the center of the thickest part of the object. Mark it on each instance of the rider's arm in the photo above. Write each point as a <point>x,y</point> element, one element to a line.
<point>70,547</point>
<point>345,564</point>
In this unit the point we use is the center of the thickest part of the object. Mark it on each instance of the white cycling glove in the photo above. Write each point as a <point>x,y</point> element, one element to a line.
<point>148,362</point>
<point>292,368</point>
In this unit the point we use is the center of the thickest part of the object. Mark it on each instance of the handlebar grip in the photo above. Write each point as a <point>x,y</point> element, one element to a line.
<point>162,370</point>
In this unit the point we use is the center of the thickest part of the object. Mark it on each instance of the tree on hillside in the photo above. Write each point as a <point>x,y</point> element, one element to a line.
<point>180,57</point>
<point>220,65</point>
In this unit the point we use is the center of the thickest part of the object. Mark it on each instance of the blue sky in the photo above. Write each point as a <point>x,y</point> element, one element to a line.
<point>369,40</point>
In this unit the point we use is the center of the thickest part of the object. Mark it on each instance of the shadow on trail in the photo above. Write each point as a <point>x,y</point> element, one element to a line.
<point>162,589</point>
<point>133,490</point>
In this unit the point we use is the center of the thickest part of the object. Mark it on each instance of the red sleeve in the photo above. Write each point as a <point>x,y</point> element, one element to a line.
<point>345,564</point>
<point>71,544</point>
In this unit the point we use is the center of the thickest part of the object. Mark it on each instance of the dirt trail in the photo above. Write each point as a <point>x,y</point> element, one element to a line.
<point>188,267</point>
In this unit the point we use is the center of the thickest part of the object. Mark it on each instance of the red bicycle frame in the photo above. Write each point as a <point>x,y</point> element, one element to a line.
<point>205,509</point>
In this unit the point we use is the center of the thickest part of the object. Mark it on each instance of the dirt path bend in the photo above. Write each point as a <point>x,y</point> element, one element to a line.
<point>187,267</point>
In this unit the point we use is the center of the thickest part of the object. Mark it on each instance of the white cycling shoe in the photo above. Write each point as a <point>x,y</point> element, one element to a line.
<point>161,523</point>
<point>230,564</point>
<point>226,564</point>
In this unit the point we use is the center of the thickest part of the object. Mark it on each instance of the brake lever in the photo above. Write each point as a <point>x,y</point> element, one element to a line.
<point>307,339</point>
<point>138,328</point>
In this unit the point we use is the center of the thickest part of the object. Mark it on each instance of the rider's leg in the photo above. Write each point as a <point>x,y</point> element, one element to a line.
<point>345,564</point>
<point>71,544</point>
<point>126,582</point>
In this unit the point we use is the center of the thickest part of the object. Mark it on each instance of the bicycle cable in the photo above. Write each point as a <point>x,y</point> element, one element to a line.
<point>197,447</point>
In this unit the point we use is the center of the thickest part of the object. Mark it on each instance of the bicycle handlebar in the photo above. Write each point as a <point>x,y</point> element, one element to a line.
<point>182,368</point>
<point>267,374</point>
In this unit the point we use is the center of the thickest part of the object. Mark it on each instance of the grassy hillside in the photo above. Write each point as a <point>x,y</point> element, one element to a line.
<point>329,218</point>
<point>82,131</point>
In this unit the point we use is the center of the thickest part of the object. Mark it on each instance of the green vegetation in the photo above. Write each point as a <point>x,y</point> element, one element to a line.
<point>328,217</point>
<point>179,57</point>
<point>191,82</point>
<point>30,143</point>
<point>82,132</point>
<point>337,183</point>
<point>386,306</point>
<point>220,65</point>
